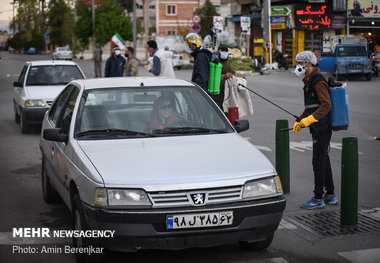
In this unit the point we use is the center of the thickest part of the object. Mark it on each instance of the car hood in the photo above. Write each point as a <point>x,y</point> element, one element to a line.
<point>44,92</point>
<point>180,162</point>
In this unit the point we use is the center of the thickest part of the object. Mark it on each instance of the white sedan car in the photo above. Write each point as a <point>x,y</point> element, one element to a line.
<point>37,86</point>
<point>62,53</point>
<point>156,161</point>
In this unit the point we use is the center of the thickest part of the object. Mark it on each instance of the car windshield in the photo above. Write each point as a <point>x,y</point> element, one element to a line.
<point>352,51</point>
<point>148,112</point>
<point>63,49</point>
<point>52,75</point>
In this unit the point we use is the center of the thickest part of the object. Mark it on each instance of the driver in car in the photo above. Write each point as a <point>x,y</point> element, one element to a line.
<point>162,114</point>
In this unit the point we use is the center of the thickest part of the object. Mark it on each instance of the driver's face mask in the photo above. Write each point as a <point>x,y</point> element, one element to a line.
<point>300,70</point>
<point>117,52</point>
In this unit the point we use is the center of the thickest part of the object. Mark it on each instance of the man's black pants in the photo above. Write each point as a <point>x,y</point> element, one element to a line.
<point>323,179</point>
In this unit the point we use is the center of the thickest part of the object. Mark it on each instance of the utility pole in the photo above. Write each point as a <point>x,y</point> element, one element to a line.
<point>267,34</point>
<point>13,17</point>
<point>134,27</point>
<point>146,24</point>
<point>93,23</point>
<point>270,34</point>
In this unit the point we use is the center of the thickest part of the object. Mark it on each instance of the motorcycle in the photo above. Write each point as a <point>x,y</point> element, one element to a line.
<point>281,59</point>
<point>374,65</point>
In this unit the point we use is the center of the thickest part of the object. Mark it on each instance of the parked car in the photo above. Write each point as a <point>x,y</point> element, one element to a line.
<point>177,60</point>
<point>157,161</point>
<point>32,51</point>
<point>63,53</point>
<point>348,56</point>
<point>37,86</point>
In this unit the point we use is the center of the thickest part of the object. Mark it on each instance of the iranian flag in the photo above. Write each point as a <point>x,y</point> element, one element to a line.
<point>118,41</point>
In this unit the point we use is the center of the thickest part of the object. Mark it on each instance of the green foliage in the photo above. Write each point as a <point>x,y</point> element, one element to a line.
<point>110,19</point>
<point>206,12</point>
<point>60,23</point>
<point>243,64</point>
<point>83,25</point>
<point>28,25</point>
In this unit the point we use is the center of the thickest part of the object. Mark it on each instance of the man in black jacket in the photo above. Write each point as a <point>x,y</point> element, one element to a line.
<point>202,58</point>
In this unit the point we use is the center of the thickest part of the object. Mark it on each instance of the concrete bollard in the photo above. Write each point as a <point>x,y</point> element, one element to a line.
<point>282,154</point>
<point>349,194</point>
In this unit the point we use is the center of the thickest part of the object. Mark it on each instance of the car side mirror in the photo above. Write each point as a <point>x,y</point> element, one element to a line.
<point>17,84</point>
<point>55,135</point>
<point>241,125</point>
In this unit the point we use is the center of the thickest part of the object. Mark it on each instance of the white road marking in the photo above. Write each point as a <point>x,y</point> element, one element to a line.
<point>308,145</point>
<point>279,260</point>
<point>362,256</point>
<point>6,238</point>
<point>286,225</point>
<point>263,148</point>
<point>373,212</point>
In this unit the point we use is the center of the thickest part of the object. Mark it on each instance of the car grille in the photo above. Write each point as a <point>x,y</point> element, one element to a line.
<point>355,65</point>
<point>182,198</point>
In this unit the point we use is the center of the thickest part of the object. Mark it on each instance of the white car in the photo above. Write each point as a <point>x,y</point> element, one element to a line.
<point>177,60</point>
<point>62,53</point>
<point>37,86</point>
<point>155,160</point>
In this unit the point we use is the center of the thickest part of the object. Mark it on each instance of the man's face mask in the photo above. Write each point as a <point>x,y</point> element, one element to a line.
<point>117,52</point>
<point>224,55</point>
<point>300,70</point>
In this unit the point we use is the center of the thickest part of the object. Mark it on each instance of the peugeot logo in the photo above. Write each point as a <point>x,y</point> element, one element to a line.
<point>198,198</point>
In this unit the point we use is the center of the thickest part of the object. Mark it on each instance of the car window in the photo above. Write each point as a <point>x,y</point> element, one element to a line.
<point>161,110</point>
<point>352,51</point>
<point>67,112</point>
<point>21,78</point>
<point>53,75</point>
<point>59,102</point>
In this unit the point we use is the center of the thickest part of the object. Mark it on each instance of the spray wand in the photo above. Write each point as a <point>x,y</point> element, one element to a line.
<point>295,116</point>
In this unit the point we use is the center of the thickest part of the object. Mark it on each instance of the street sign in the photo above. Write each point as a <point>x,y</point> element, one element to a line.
<point>196,28</point>
<point>196,19</point>
<point>280,10</point>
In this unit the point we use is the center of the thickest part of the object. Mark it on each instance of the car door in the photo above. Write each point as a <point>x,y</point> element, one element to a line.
<point>19,92</point>
<point>60,117</point>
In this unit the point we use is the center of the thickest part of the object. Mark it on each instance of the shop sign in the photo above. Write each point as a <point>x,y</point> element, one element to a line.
<point>363,8</point>
<point>277,22</point>
<point>338,22</point>
<point>280,10</point>
<point>245,23</point>
<point>218,23</point>
<point>310,16</point>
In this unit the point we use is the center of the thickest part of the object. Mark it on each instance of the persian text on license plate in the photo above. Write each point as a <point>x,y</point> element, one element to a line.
<point>224,218</point>
<point>355,70</point>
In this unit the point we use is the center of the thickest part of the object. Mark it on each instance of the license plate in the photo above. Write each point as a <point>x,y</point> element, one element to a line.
<point>224,218</point>
<point>355,70</point>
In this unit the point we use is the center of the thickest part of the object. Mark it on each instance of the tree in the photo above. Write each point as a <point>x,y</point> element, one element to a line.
<point>27,24</point>
<point>60,23</point>
<point>206,12</point>
<point>110,19</point>
<point>83,25</point>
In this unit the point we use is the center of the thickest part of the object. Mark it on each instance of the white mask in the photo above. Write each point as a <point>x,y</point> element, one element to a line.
<point>224,55</point>
<point>117,52</point>
<point>300,70</point>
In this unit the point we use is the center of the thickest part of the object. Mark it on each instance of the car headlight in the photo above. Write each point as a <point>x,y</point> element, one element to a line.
<point>35,103</point>
<point>262,187</point>
<point>129,197</point>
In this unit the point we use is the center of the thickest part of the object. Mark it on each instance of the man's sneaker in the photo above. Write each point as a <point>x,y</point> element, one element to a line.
<point>313,204</point>
<point>331,199</point>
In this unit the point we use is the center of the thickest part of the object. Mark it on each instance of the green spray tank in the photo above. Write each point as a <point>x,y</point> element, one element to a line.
<point>214,78</point>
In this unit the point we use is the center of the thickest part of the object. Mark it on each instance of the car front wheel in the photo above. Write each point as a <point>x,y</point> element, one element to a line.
<point>25,127</point>
<point>17,116</point>
<point>79,223</point>
<point>257,245</point>
<point>49,194</point>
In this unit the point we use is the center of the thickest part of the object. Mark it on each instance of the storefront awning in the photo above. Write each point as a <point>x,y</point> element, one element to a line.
<point>237,18</point>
